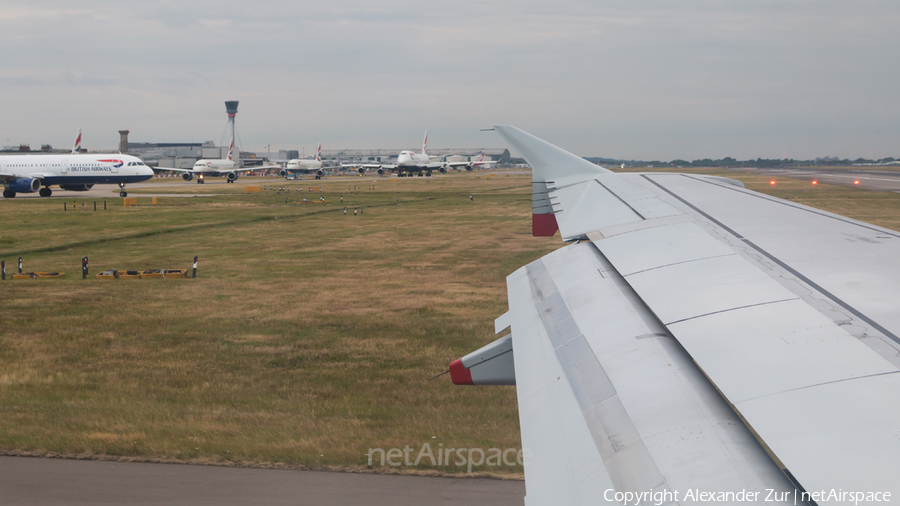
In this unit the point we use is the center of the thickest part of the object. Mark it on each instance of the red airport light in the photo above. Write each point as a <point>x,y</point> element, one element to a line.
<point>856,182</point>
<point>772,182</point>
<point>815,182</point>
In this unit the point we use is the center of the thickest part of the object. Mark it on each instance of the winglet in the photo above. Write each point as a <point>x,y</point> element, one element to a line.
<point>551,167</point>
<point>548,162</point>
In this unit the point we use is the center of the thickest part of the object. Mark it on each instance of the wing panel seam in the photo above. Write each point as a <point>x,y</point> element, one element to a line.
<point>774,200</point>
<point>641,216</point>
<point>783,265</point>
<point>732,309</point>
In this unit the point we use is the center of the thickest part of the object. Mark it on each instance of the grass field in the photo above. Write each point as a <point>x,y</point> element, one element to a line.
<point>308,336</point>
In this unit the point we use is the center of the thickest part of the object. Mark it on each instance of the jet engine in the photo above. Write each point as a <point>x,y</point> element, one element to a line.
<point>283,172</point>
<point>232,177</point>
<point>320,172</point>
<point>24,185</point>
<point>442,170</point>
<point>380,171</point>
<point>469,168</point>
<point>361,170</point>
<point>77,187</point>
<point>187,176</point>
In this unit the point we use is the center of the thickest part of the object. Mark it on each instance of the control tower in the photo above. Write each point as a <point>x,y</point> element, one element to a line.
<point>123,140</point>
<point>231,109</point>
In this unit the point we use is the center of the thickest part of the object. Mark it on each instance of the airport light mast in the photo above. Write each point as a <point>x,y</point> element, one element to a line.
<point>231,108</point>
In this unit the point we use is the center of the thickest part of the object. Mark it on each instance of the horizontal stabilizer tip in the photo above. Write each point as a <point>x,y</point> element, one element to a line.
<point>489,365</point>
<point>459,374</point>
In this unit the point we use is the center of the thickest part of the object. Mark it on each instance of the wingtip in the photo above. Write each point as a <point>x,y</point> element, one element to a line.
<point>548,162</point>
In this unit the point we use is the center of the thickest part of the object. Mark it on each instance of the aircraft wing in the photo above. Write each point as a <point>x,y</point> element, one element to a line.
<point>372,166</point>
<point>258,167</point>
<point>459,165</point>
<point>7,176</point>
<point>698,337</point>
<point>172,169</point>
<point>313,171</point>
<point>223,171</point>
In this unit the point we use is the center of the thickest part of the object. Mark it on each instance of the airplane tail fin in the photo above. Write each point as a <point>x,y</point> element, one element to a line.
<point>76,148</point>
<point>231,150</point>
<point>425,144</point>
<point>551,167</point>
<point>319,153</point>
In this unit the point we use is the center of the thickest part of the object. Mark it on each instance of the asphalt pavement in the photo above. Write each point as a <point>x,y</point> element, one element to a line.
<point>47,481</point>
<point>865,179</point>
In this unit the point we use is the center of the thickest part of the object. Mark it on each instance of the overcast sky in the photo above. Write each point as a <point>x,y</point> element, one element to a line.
<point>620,79</point>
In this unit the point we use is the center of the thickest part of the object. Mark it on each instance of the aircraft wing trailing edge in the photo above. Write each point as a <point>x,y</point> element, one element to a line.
<point>697,337</point>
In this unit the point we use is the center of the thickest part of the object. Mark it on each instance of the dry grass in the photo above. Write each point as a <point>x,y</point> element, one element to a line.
<point>308,337</point>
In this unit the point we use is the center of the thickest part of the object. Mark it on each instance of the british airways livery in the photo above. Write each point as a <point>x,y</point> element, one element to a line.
<point>73,172</point>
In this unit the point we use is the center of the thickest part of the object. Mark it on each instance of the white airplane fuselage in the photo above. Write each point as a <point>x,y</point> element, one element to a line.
<point>213,166</point>
<point>412,159</point>
<point>301,164</point>
<point>70,171</point>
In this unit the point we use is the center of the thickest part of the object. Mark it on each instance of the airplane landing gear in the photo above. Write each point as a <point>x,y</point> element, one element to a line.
<point>45,192</point>
<point>8,194</point>
<point>122,192</point>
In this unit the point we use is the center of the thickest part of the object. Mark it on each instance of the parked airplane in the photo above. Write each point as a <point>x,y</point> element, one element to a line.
<point>472,165</point>
<point>697,337</point>
<point>226,167</point>
<point>73,172</point>
<point>410,161</point>
<point>302,166</point>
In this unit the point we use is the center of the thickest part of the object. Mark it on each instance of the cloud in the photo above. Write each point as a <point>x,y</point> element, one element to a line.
<point>685,79</point>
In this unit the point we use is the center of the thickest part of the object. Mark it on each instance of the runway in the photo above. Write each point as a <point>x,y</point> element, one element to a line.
<point>868,179</point>
<point>28,480</point>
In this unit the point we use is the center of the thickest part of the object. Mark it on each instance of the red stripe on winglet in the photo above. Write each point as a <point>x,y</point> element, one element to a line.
<point>459,374</point>
<point>543,225</point>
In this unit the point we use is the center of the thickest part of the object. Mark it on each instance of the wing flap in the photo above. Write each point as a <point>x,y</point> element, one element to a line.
<point>601,384</point>
<point>850,426</point>
<point>759,343</point>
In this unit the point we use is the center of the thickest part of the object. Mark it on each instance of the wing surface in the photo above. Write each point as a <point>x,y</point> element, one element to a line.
<point>222,171</point>
<point>702,336</point>
<point>6,176</point>
<point>173,169</point>
<point>456,165</point>
<point>259,167</point>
